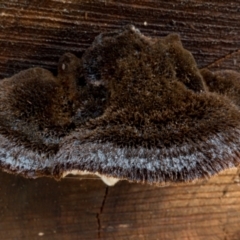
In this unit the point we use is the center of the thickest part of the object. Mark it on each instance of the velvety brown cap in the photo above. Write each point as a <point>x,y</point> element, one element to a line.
<point>133,107</point>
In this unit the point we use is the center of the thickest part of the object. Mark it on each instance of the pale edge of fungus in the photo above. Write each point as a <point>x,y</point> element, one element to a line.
<point>110,181</point>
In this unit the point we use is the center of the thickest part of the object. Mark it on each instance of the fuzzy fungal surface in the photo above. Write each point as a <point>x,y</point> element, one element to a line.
<point>133,107</point>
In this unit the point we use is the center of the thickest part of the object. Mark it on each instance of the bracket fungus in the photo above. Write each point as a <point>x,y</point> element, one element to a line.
<point>133,107</point>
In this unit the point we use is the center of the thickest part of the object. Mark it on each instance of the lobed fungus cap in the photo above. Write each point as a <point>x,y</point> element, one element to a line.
<point>133,107</point>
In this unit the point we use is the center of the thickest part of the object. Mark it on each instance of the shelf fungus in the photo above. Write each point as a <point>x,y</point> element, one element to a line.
<point>133,107</point>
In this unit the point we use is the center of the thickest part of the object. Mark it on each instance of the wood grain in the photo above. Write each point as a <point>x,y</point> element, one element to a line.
<point>37,33</point>
<point>76,208</point>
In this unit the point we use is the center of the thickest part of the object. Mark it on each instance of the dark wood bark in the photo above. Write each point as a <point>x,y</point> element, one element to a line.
<point>37,33</point>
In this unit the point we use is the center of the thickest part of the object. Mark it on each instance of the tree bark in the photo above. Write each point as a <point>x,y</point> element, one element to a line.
<point>37,33</point>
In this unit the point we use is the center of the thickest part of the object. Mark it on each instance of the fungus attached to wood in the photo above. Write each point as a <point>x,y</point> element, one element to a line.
<point>133,107</point>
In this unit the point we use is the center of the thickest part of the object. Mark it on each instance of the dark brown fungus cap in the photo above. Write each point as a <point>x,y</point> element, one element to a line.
<point>133,107</point>
<point>224,82</point>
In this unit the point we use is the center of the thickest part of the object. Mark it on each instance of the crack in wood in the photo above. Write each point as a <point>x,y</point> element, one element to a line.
<point>100,212</point>
<point>221,59</point>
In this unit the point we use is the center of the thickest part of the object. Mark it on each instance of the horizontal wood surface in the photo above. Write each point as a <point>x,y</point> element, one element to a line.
<point>76,208</point>
<point>37,33</point>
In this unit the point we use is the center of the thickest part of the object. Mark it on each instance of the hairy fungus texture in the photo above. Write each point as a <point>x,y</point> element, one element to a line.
<point>132,107</point>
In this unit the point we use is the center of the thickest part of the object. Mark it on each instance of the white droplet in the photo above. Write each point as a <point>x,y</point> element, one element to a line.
<point>145,23</point>
<point>63,66</point>
<point>40,234</point>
